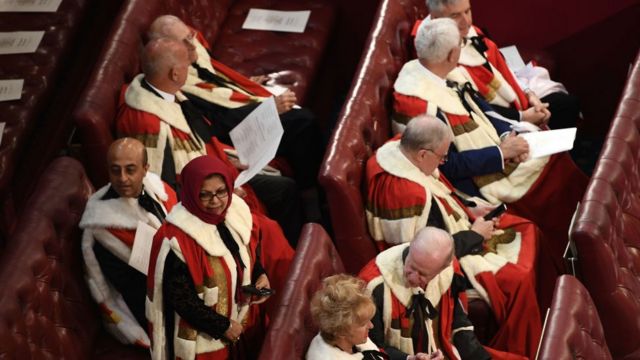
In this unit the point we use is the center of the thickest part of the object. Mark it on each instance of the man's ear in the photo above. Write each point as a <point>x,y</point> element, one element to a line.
<point>451,56</point>
<point>173,74</point>
<point>146,168</point>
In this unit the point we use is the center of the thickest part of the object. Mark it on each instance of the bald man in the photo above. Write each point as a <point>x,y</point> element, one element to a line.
<point>227,97</point>
<point>415,287</point>
<point>110,222</point>
<point>174,131</point>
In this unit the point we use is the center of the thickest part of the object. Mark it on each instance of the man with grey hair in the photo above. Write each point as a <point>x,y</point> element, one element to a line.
<point>227,97</point>
<point>486,159</point>
<point>174,132</point>
<point>484,67</point>
<point>406,193</point>
<point>415,289</point>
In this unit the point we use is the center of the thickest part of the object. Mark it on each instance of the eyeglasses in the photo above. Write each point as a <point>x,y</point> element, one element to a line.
<point>442,158</point>
<point>207,196</point>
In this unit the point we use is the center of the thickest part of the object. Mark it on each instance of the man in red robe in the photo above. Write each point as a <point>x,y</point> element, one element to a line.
<point>155,111</point>
<point>485,68</point>
<point>418,292</point>
<point>110,222</point>
<point>486,158</point>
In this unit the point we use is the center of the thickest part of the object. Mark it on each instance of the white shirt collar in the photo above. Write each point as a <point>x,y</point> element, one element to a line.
<point>165,95</point>
<point>435,78</point>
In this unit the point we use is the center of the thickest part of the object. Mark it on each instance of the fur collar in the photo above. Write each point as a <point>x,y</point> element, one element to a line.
<point>238,220</point>
<point>121,213</point>
<point>320,350</point>
<point>414,81</point>
<point>392,269</point>
<point>170,112</point>
<point>469,55</point>
<point>204,60</point>
<point>392,160</point>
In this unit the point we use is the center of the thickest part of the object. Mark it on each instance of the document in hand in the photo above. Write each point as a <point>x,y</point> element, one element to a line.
<point>141,250</point>
<point>512,57</point>
<point>256,139</point>
<point>543,143</point>
<point>273,20</point>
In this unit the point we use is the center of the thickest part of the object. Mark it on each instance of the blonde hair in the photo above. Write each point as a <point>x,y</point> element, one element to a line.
<point>342,301</point>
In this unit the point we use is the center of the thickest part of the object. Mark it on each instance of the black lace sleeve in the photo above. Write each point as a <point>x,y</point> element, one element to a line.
<point>180,293</point>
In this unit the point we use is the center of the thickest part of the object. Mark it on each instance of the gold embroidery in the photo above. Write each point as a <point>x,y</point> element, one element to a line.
<point>219,280</point>
<point>506,237</point>
<point>497,176</point>
<point>395,214</point>
<point>467,127</point>
<point>148,140</point>
<point>187,333</point>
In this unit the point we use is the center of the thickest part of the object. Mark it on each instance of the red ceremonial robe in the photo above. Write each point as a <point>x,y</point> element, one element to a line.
<point>398,206</point>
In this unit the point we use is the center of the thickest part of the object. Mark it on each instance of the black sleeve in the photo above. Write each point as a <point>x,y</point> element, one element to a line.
<point>376,334</point>
<point>180,293</point>
<point>223,119</point>
<point>129,282</point>
<point>508,112</point>
<point>465,242</point>
<point>466,341</point>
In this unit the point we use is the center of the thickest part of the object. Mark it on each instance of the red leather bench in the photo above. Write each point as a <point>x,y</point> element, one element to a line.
<point>41,72</point>
<point>607,225</point>
<point>46,311</point>
<point>363,126</point>
<point>292,329</point>
<point>573,329</point>
<point>297,56</point>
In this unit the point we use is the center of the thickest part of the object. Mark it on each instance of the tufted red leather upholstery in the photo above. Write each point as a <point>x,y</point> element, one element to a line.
<point>363,126</point>
<point>573,329</point>
<point>607,227</point>
<point>46,311</point>
<point>41,73</point>
<point>297,56</point>
<point>292,329</point>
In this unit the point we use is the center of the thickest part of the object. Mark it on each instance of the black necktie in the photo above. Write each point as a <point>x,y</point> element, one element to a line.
<point>152,206</point>
<point>208,76</point>
<point>481,47</point>
<point>461,90</point>
<point>420,309</point>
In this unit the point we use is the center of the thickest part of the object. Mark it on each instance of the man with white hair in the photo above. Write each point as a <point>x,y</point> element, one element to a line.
<point>406,193</point>
<point>418,292</point>
<point>486,158</point>
<point>227,97</point>
<point>484,67</point>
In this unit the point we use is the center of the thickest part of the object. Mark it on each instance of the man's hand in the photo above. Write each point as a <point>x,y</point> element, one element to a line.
<point>285,101</point>
<point>480,210</point>
<point>260,79</point>
<point>537,115</point>
<point>236,163</point>
<point>234,331</point>
<point>483,227</point>
<point>514,148</point>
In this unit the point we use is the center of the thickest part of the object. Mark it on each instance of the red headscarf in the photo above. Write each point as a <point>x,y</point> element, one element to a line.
<point>193,175</point>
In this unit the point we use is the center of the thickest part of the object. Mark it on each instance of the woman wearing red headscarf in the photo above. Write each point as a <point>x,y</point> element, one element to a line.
<point>200,260</point>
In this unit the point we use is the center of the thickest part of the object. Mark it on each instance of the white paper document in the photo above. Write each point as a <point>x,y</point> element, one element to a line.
<point>1,131</point>
<point>141,250</point>
<point>543,143</point>
<point>11,89</point>
<point>29,5</point>
<point>273,20</point>
<point>256,139</point>
<point>20,42</point>
<point>512,57</point>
